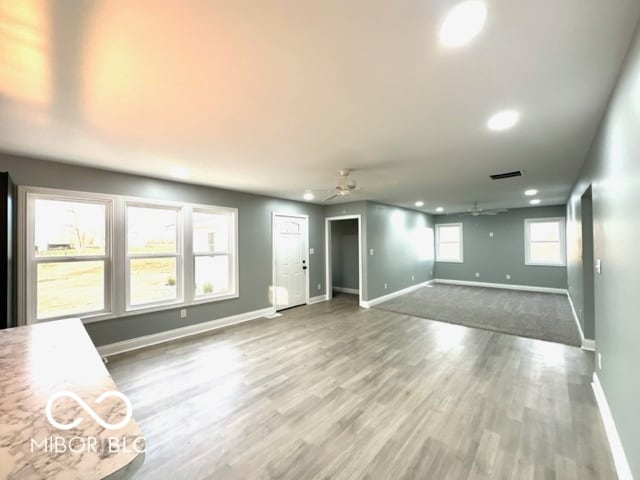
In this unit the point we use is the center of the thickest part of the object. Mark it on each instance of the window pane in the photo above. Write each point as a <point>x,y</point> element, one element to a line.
<point>211,232</point>
<point>151,230</point>
<point>545,253</point>
<point>449,251</point>
<point>65,289</point>
<point>449,234</point>
<point>152,280</point>
<point>212,275</point>
<point>66,228</point>
<point>544,232</point>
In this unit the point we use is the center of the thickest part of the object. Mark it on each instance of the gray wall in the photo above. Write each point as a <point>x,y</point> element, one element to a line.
<point>613,170</point>
<point>254,237</point>
<point>344,254</point>
<point>402,241</point>
<point>504,253</point>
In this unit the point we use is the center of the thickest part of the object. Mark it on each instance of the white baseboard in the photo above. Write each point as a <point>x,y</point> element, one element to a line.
<point>389,296</point>
<point>180,332</point>
<point>318,299</point>
<point>507,286</point>
<point>587,344</point>
<point>352,291</point>
<point>617,450</point>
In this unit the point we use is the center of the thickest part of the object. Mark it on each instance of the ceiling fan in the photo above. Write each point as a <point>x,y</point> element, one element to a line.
<point>476,211</point>
<point>343,186</point>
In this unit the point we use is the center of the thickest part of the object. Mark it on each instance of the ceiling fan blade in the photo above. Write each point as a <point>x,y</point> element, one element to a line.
<point>494,212</point>
<point>331,197</point>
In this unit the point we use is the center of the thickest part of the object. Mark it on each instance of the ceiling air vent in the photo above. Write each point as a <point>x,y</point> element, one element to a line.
<point>500,176</point>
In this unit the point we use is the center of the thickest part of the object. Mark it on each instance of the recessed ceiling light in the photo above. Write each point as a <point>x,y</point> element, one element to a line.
<point>531,192</point>
<point>439,209</point>
<point>462,23</point>
<point>308,196</point>
<point>503,120</point>
<point>535,201</point>
<point>419,203</point>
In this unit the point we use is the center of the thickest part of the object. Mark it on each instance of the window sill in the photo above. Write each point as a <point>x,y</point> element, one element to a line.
<point>449,261</point>
<point>157,308</point>
<point>532,264</point>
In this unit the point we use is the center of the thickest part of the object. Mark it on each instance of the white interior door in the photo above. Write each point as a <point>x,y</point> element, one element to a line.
<point>290,262</point>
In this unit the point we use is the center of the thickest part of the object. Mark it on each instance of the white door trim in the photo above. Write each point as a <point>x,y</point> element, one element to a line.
<point>273,252</point>
<point>327,254</point>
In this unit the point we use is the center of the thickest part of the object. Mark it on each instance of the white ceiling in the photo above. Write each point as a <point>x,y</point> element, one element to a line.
<point>275,97</point>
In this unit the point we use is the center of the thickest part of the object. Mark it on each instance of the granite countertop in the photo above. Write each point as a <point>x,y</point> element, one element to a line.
<point>56,363</point>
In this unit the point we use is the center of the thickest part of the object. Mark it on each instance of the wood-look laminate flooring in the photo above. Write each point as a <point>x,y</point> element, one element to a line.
<point>332,391</point>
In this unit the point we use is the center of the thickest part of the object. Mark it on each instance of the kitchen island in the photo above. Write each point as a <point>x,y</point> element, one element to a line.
<point>61,414</point>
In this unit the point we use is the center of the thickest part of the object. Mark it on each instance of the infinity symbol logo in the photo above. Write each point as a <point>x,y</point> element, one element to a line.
<point>89,410</point>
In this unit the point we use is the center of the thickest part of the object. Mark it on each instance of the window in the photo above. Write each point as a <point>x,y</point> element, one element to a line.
<point>449,245</point>
<point>154,255</point>
<point>214,247</point>
<point>545,241</point>
<point>69,256</point>
<point>102,256</point>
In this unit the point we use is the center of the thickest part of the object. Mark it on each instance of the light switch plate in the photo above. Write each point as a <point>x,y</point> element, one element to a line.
<point>311,251</point>
<point>598,266</point>
<point>371,251</point>
<point>491,234</point>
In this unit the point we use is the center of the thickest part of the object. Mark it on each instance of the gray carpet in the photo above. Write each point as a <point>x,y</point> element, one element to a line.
<point>545,316</point>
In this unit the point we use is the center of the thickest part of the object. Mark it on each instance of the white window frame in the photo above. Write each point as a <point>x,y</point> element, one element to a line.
<point>527,241</point>
<point>232,254</point>
<point>116,272</point>
<point>461,247</point>
<point>178,254</point>
<point>30,265</point>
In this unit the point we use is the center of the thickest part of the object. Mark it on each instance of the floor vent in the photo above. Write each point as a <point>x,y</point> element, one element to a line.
<point>500,176</point>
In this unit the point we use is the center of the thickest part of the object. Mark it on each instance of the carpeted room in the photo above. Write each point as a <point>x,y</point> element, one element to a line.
<point>503,271</point>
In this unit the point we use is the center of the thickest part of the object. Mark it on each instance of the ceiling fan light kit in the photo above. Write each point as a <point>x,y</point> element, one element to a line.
<point>343,186</point>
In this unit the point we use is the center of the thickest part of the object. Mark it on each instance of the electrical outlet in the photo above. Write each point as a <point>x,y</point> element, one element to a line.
<point>477,274</point>
<point>508,277</point>
<point>599,361</point>
<point>311,251</point>
<point>491,234</point>
<point>319,286</point>
<point>385,286</point>
<point>183,313</point>
<point>371,251</point>
<point>413,277</point>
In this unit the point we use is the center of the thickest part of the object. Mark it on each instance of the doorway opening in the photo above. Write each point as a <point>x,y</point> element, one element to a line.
<point>290,285</point>
<point>343,237</point>
<point>588,267</point>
